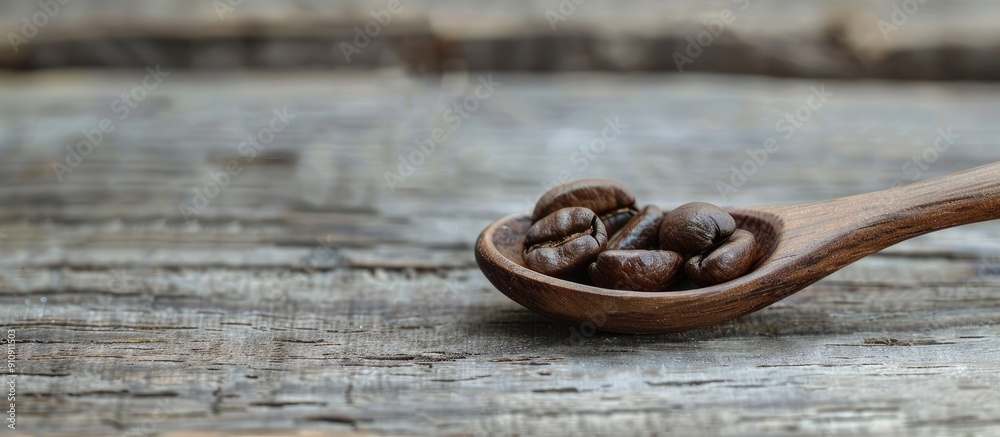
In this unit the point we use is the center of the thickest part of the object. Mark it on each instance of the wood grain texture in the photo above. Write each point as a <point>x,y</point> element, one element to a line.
<point>953,40</point>
<point>309,295</point>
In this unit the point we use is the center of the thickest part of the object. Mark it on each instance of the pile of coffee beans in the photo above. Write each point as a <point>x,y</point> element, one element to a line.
<point>591,231</point>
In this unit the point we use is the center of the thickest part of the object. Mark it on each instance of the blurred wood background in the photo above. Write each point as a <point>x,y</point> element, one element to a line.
<point>308,294</point>
<point>891,39</point>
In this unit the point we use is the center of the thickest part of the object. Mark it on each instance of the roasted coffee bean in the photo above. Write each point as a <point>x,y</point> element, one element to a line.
<point>695,227</point>
<point>639,270</point>
<point>613,202</point>
<point>734,258</point>
<point>564,243</point>
<point>642,232</point>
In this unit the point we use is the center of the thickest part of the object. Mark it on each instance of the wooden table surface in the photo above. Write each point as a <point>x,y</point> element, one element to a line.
<point>887,39</point>
<point>131,320</point>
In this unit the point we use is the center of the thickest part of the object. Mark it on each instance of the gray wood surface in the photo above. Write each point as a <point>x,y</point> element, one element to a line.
<point>891,39</point>
<point>133,321</point>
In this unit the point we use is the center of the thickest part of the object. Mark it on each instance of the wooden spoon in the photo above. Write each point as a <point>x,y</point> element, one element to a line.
<point>803,243</point>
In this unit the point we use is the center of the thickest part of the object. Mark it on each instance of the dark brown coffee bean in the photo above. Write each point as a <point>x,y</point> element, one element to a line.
<point>639,270</point>
<point>695,227</point>
<point>642,232</point>
<point>564,243</point>
<point>613,202</point>
<point>616,220</point>
<point>734,258</point>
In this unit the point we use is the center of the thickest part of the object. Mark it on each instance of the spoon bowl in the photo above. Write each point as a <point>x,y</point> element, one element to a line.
<point>801,244</point>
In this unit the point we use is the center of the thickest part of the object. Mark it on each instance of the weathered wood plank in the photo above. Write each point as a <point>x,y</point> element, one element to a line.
<point>954,40</point>
<point>153,325</point>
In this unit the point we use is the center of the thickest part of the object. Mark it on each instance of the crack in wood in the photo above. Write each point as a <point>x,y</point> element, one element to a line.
<point>685,383</point>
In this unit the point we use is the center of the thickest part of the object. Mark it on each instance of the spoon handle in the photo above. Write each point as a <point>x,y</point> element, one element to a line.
<point>867,223</point>
<point>961,198</point>
<point>838,232</point>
